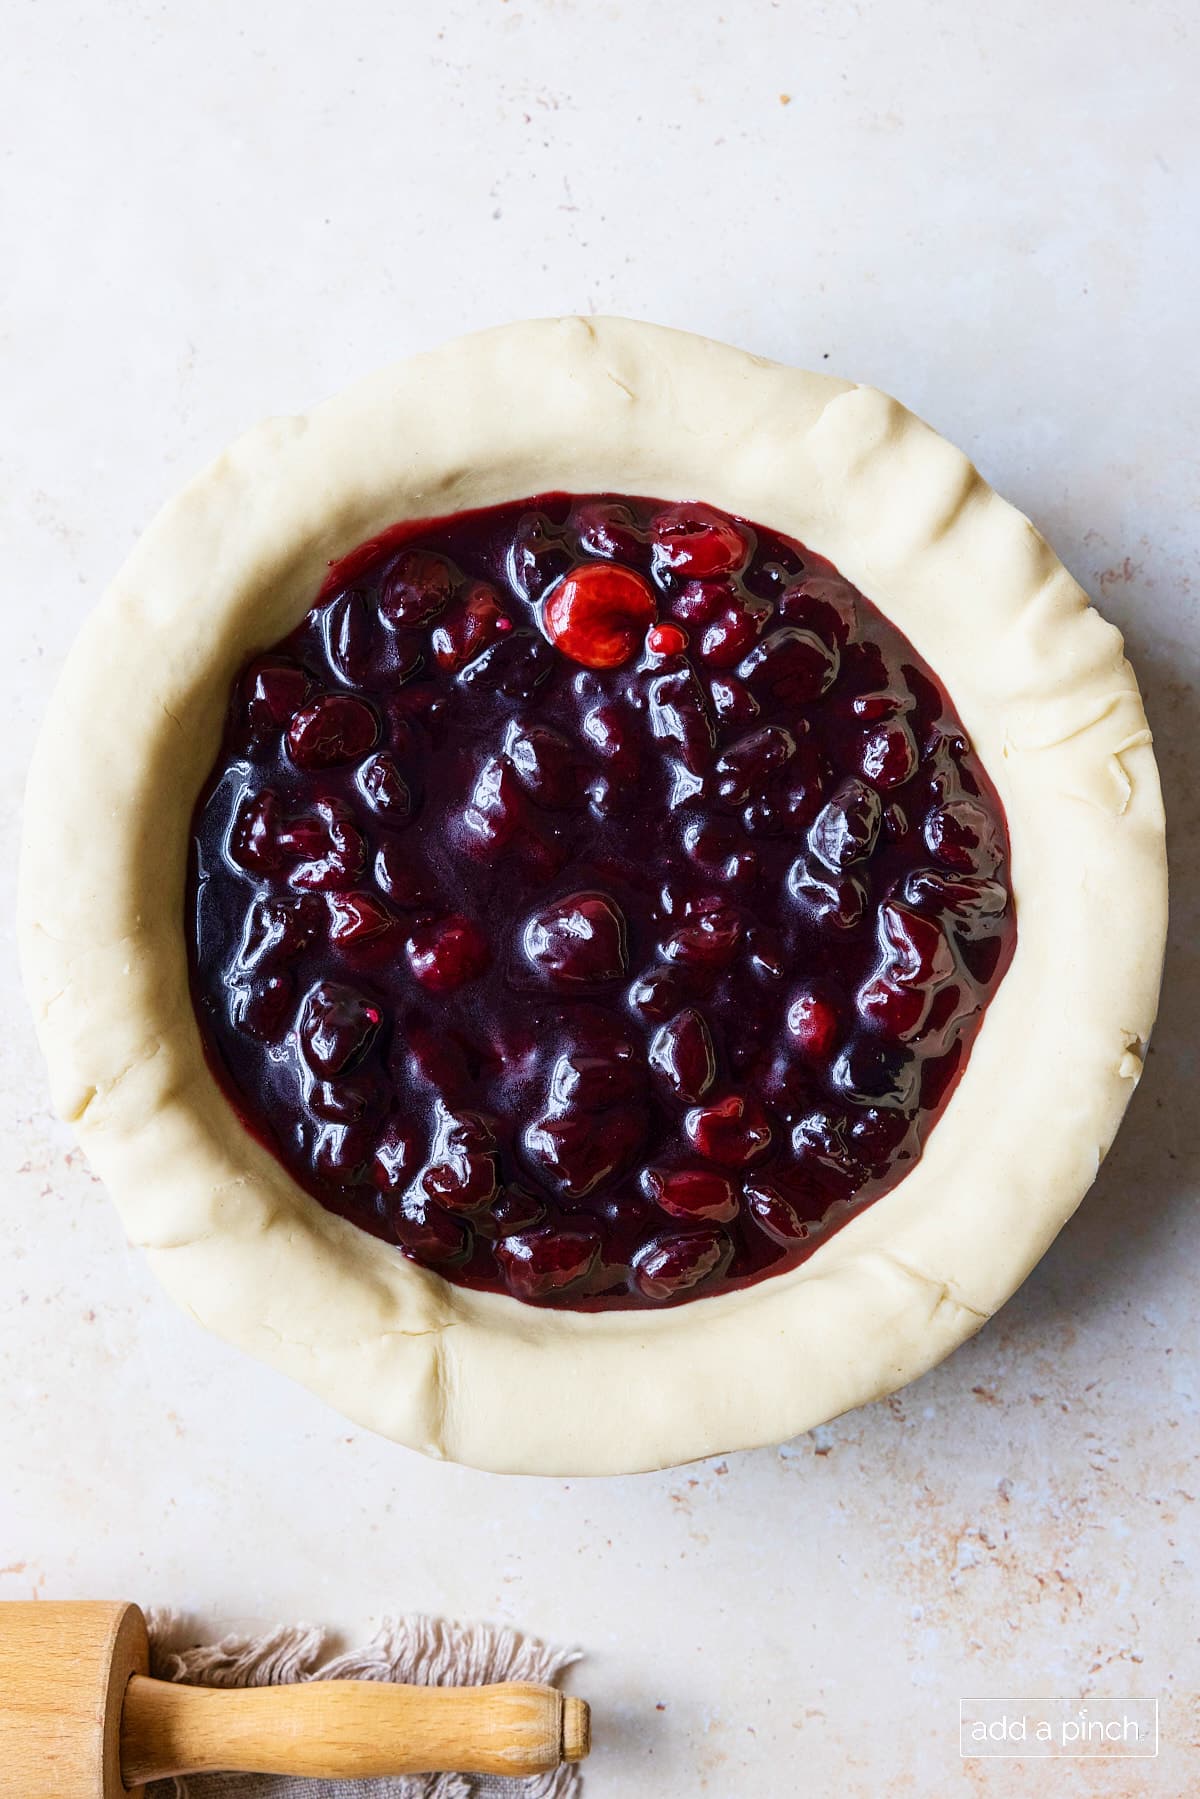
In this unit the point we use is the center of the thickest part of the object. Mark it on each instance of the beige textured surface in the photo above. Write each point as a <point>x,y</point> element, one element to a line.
<point>983,209</point>
<point>1038,678</point>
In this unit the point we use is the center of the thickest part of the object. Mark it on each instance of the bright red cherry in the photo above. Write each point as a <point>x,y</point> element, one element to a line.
<point>666,640</point>
<point>598,614</point>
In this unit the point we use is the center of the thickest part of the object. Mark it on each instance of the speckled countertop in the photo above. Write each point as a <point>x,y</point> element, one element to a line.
<point>217,211</point>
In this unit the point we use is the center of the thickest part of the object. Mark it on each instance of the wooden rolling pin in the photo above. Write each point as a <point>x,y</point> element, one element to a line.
<point>79,1719</point>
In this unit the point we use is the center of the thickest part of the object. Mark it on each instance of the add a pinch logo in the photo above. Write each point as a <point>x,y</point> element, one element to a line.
<point>1053,1729</point>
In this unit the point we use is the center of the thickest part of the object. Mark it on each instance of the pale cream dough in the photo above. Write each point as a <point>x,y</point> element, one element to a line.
<point>234,562</point>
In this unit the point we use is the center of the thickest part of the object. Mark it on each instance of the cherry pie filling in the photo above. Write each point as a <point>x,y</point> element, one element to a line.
<point>596,898</point>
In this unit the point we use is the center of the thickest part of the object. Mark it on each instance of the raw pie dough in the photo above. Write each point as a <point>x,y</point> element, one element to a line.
<point>236,560</point>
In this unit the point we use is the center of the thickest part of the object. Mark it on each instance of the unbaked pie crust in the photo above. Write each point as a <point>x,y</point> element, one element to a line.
<point>231,565</point>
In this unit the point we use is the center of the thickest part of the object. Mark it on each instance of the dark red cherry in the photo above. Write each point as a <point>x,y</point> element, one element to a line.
<point>578,941</point>
<point>872,707</point>
<point>335,728</point>
<point>403,880</point>
<point>572,1153</point>
<point>710,842</point>
<point>608,798</point>
<point>337,1027</point>
<point>775,1214</point>
<point>598,614</point>
<point>343,1101</point>
<point>792,665</point>
<point>341,1153</point>
<point>515,666</point>
<point>358,921</point>
<point>544,762</point>
<point>275,690</point>
<point>474,623</point>
<point>264,1008</point>
<point>822,605</point>
<point>915,948</point>
<point>732,703</point>
<point>278,930</point>
<point>708,941</point>
<point>749,763</point>
<point>496,809</point>
<point>876,1073</point>
<point>845,829</point>
<point>425,1232</point>
<point>730,1131</point>
<point>416,590</point>
<point>678,716</point>
<point>897,1011</point>
<point>461,1180</point>
<point>694,1194</point>
<point>768,958</point>
<point>950,1009</point>
<point>659,992</point>
<point>608,529</point>
<point>766,816</point>
<point>385,790</point>
<point>326,849</point>
<point>682,1055</point>
<point>680,1261</point>
<point>889,755</point>
<point>963,836</point>
<point>895,822</point>
<point>396,1157</point>
<point>787,1085</point>
<point>820,1151</point>
<point>415,715</point>
<point>254,834</point>
<point>838,901</point>
<point>610,732</point>
<point>538,855</point>
<point>812,1023</point>
<point>769,576</point>
<point>538,556</point>
<point>541,1264</point>
<point>433,1058</point>
<point>970,903</point>
<point>700,602</point>
<point>593,1081</point>
<point>876,1134</point>
<point>808,776</point>
<point>400,657</point>
<point>348,637</point>
<point>730,633</point>
<point>447,954</point>
<point>512,1211</point>
<point>694,540</point>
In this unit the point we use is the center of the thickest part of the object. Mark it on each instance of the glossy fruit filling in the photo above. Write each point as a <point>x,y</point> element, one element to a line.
<point>596,898</point>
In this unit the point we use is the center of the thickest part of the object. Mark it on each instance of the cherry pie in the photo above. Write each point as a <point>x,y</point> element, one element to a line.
<point>597,899</point>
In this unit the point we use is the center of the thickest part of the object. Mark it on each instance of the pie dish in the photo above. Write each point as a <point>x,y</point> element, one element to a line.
<point>596,900</point>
